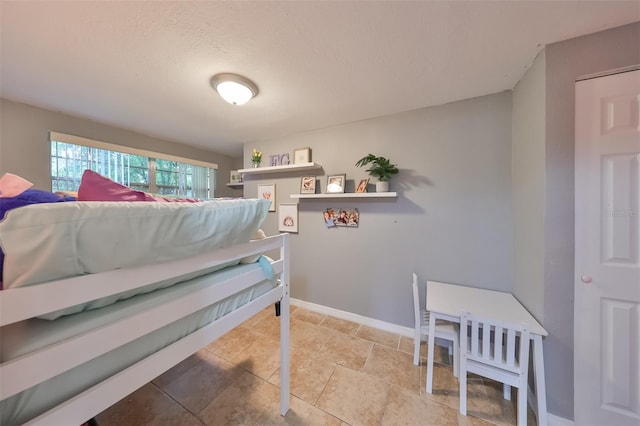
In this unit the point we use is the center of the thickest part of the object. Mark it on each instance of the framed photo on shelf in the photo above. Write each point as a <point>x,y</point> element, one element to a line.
<point>335,183</point>
<point>301,155</point>
<point>362,186</point>
<point>308,185</point>
<point>288,218</point>
<point>268,192</point>
<point>235,177</point>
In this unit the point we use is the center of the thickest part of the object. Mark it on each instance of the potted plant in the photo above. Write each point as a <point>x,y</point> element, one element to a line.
<point>381,168</point>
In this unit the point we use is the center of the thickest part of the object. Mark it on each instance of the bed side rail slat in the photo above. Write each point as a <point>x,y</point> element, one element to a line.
<point>111,390</point>
<point>27,302</point>
<point>33,368</point>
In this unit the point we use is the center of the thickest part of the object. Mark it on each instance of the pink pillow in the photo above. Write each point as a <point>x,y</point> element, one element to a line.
<point>12,185</point>
<point>95,187</point>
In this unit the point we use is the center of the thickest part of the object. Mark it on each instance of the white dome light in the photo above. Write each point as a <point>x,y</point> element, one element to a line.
<point>233,88</point>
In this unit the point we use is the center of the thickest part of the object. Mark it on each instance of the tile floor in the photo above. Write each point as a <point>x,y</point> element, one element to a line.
<point>342,373</point>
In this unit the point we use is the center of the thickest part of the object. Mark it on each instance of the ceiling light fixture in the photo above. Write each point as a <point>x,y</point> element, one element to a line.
<point>234,88</point>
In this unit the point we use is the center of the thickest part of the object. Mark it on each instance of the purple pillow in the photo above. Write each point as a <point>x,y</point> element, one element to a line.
<point>30,196</point>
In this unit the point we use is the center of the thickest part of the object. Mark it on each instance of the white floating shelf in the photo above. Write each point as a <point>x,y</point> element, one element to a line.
<point>281,169</point>
<point>348,195</point>
<point>235,184</point>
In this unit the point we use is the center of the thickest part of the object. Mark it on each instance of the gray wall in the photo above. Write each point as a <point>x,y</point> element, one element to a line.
<point>543,160</point>
<point>450,222</point>
<point>527,174</point>
<point>565,61</point>
<point>25,149</point>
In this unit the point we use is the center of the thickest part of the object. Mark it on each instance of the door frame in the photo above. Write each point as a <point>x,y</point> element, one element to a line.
<point>577,277</point>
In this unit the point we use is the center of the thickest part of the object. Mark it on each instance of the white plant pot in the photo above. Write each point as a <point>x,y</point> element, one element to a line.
<point>382,186</point>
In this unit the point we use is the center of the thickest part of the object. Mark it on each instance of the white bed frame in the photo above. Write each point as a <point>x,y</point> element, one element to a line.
<point>36,367</point>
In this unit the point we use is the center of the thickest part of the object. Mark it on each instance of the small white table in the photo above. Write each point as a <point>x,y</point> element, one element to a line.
<point>448,301</point>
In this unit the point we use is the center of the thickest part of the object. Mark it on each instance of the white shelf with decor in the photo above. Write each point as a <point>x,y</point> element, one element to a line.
<point>235,185</point>
<point>347,195</point>
<point>281,169</point>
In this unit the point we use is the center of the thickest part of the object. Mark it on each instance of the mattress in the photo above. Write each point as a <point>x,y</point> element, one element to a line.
<point>34,334</point>
<point>46,242</point>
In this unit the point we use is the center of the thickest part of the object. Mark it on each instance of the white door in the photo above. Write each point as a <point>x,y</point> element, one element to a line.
<point>607,264</point>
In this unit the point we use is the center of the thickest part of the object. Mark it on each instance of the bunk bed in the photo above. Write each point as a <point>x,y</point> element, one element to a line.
<point>74,342</point>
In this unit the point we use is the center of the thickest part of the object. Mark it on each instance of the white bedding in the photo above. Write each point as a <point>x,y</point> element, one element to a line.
<point>45,242</point>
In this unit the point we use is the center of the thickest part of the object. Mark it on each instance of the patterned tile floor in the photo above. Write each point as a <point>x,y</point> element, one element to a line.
<point>342,373</point>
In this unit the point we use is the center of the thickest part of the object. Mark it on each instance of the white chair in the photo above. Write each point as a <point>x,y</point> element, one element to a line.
<point>444,329</point>
<point>497,350</point>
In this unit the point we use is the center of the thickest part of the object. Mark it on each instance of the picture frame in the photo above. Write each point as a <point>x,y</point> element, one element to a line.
<point>362,186</point>
<point>335,183</point>
<point>288,218</point>
<point>235,177</point>
<point>308,185</point>
<point>268,192</point>
<point>302,155</point>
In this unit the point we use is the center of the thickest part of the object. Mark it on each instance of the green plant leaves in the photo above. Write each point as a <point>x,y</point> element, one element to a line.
<point>381,167</point>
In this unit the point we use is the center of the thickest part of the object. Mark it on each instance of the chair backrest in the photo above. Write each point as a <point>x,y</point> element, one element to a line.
<point>416,301</point>
<point>494,342</point>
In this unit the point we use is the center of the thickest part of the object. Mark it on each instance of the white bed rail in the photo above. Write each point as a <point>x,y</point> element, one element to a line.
<point>25,371</point>
<point>284,327</point>
<point>96,399</point>
<point>28,370</point>
<point>21,303</point>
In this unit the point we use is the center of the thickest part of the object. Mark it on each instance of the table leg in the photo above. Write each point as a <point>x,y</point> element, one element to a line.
<point>538,373</point>
<point>431,341</point>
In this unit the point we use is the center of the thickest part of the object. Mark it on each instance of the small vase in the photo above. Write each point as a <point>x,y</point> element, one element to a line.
<point>382,186</point>
<point>256,165</point>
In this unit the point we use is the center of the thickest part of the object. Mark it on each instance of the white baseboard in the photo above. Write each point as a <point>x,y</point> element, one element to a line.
<point>552,420</point>
<point>558,421</point>
<point>358,319</point>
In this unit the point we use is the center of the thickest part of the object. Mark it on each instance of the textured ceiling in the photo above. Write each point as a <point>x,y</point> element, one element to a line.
<point>146,66</point>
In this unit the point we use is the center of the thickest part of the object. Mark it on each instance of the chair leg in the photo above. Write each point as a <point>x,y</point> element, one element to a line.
<point>416,348</point>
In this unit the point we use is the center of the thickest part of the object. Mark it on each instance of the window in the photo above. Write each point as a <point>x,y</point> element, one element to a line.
<point>137,169</point>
